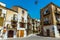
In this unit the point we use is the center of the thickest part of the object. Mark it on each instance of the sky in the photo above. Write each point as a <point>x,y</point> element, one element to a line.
<point>33,9</point>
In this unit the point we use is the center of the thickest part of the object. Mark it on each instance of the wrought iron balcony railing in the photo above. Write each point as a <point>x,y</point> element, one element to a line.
<point>14,19</point>
<point>46,23</point>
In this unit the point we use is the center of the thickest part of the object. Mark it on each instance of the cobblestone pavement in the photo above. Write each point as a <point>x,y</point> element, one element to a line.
<point>35,38</point>
<point>40,38</point>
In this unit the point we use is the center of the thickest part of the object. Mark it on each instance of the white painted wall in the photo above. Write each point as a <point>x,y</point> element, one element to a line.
<point>2,4</point>
<point>19,20</point>
<point>56,31</point>
<point>3,12</point>
<point>51,29</point>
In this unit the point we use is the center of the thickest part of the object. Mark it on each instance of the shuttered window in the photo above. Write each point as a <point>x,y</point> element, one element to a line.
<point>0,12</point>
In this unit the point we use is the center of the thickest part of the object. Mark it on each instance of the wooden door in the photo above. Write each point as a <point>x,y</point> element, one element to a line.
<point>10,33</point>
<point>21,33</point>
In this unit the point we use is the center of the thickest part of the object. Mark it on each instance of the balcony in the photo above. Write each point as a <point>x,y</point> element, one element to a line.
<point>14,20</point>
<point>22,25</point>
<point>57,12</point>
<point>46,23</point>
<point>14,24</point>
<point>29,23</point>
<point>22,20</point>
<point>11,26</point>
<point>47,12</point>
<point>58,21</point>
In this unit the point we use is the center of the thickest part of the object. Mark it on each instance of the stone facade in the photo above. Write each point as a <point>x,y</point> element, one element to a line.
<point>50,20</point>
<point>15,22</point>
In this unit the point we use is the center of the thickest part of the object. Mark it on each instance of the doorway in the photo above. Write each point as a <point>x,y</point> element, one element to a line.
<point>21,33</point>
<point>48,32</point>
<point>10,33</point>
<point>59,31</point>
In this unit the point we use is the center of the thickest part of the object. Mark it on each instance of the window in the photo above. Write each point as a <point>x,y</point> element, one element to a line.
<point>4,15</point>
<point>46,11</point>
<point>14,17</point>
<point>0,12</point>
<point>22,25</point>
<point>59,31</point>
<point>8,26</point>
<point>23,11</point>
<point>58,18</point>
<point>14,24</point>
<point>46,21</point>
<point>22,19</point>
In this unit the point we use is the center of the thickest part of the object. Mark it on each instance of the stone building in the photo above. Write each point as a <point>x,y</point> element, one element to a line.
<point>13,22</point>
<point>29,25</point>
<point>35,25</point>
<point>22,21</point>
<point>50,20</point>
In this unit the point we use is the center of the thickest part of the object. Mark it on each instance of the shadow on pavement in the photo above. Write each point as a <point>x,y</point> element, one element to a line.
<point>43,36</point>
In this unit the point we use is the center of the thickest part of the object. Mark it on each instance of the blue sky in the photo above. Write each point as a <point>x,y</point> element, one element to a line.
<point>33,10</point>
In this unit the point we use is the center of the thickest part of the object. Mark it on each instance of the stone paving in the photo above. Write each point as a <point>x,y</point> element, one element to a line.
<point>35,38</point>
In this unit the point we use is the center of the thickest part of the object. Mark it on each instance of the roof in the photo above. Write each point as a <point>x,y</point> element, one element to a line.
<point>3,4</point>
<point>8,8</point>
<point>20,7</point>
<point>52,4</point>
<point>11,9</point>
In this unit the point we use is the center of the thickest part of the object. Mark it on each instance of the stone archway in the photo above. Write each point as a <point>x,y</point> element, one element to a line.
<point>10,33</point>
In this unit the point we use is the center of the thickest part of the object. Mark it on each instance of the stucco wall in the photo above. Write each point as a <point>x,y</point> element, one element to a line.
<point>50,27</point>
